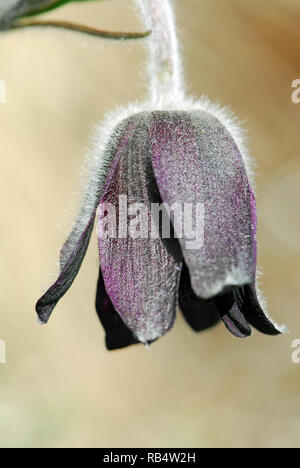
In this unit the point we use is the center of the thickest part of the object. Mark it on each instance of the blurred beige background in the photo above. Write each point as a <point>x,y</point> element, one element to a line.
<point>60,387</point>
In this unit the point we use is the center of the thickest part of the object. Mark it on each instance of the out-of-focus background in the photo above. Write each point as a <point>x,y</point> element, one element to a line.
<point>60,387</point>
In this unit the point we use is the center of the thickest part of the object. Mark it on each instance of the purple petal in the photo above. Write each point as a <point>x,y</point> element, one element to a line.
<point>118,334</point>
<point>199,313</point>
<point>75,247</point>
<point>141,275</point>
<point>232,317</point>
<point>247,301</point>
<point>236,323</point>
<point>196,161</point>
<point>48,301</point>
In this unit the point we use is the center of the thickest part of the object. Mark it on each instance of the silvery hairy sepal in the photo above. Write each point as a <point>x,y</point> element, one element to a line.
<point>169,150</point>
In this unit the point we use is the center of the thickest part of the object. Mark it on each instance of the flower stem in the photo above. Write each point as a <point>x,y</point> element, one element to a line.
<point>165,75</point>
<point>80,28</point>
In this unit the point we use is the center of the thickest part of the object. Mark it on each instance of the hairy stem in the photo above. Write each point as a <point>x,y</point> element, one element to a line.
<point>166,84</point>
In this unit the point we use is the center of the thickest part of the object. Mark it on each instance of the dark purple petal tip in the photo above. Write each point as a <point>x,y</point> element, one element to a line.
<point>236,323</point>
<point>48,301</point>
<point>199,313</point>
<point>233,319</point>
<point>247,301</point>
<point>118,335</point>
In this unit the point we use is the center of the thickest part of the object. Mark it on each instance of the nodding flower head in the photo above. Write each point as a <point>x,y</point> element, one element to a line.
<point>177,160</point>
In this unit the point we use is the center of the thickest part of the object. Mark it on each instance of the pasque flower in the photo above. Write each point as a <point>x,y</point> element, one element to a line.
<point>169,149</point>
